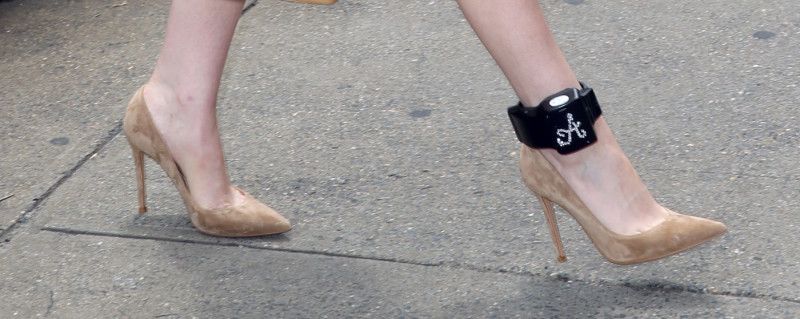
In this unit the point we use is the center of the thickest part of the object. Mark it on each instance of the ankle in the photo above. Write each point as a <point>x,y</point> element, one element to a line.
<point>605,180</point>
<point>601,153</point>
<point>188,127</point>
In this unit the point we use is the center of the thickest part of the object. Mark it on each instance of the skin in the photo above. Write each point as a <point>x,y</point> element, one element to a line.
<point>517,36</point>
<point>182,92</point>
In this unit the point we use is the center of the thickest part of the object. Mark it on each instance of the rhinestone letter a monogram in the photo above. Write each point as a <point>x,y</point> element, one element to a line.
<point>572,126</point>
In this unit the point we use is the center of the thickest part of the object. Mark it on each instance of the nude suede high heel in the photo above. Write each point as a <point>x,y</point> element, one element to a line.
<point>565,122</point>
<point>249,218</point>
<point>675,234</point>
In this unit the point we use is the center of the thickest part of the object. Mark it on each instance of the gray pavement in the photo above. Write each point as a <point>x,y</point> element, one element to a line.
<point>379,129</point>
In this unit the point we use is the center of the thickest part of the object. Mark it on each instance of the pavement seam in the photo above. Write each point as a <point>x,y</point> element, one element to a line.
<point>249,6</point>
<point>644,285</point>
<point>39,200</point>
<point>228,244</point>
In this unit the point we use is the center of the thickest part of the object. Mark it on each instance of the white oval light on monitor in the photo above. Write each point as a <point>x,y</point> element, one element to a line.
<point>559,100</point>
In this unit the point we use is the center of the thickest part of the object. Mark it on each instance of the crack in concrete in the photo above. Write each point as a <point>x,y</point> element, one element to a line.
<point>39,200</point>
<point>52,302</point>
<point>230,244</point>
<point>26,214</point>
<point>646,285</point>
<point>249,6</point>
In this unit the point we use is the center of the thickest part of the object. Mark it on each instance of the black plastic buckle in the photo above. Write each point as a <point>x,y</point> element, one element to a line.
<point>563,121</point>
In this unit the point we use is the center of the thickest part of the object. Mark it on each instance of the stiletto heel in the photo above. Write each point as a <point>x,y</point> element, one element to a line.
<point>248,218</point>
<point>550,216</point>
<point>564,122</point>
<point>138,160</point>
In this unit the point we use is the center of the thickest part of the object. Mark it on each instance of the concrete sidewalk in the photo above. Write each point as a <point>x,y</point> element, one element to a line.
<point>379,129</point>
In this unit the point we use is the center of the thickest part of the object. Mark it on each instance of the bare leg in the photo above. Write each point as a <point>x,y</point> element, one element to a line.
<point>182,94</point>
<point>516,35</point>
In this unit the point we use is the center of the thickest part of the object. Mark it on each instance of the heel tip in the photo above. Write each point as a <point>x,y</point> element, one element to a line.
<point>562,259</point>
<point>142,209</point>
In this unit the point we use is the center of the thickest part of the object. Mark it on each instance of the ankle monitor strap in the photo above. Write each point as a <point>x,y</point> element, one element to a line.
<point>563,121</point>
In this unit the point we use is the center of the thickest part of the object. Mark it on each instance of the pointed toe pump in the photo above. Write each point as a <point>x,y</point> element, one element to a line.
<point>558,123</point>
<point>248,218</point>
